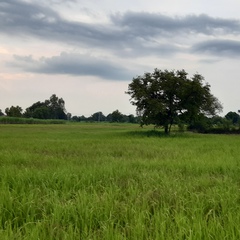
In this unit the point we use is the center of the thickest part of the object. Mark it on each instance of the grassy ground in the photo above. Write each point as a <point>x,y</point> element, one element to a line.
<point>117,181</point>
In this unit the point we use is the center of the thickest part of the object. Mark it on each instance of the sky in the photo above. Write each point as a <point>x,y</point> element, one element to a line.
<point>88,51</point>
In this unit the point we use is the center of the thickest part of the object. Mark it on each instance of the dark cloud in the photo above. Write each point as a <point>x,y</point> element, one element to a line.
<point>218,47</point>
<point>154,24</point>
<point>25,19</point>
<point>134,33</point>
<point>60,1</point>
<point>16,15</point>
<point>73,64</point>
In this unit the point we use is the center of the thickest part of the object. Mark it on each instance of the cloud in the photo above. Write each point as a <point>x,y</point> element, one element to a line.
<point>27,19</point>
<point>154,24</point>
<point>73,64</point>
<point>129,34</point>
<point>223,47</point>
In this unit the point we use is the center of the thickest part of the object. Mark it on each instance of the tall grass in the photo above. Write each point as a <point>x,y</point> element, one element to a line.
<point>20,120</point>
<point>103,181</point>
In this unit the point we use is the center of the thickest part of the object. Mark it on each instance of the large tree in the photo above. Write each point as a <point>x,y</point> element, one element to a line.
<point>165,97</point>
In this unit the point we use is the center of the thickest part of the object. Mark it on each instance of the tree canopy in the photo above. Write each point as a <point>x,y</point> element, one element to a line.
<point>14,111</point>
<point>166,97</point>
<point>233,117</point>
<point>54,108</point>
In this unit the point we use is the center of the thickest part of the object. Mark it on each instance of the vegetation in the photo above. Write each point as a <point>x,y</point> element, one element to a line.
<point>54,108</point>
<point>20,120</point>
<point>233,117</point>
<point>115,116</point>
<point>166,97</point>
<point>163,98</point>
<point>13,111</point>
<point>117,181</point>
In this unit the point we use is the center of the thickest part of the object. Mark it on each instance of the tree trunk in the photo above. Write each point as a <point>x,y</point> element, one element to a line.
<point>166,129</point>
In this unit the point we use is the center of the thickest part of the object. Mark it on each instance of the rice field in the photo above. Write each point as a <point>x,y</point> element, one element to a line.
<point>117,181</point>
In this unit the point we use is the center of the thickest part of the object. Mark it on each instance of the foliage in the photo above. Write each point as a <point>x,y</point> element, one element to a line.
<point>165,97</point>
<point>54,108</point>
<point>216,125</point>
<point>132,119</point>
<point>202,124</point>
<point>78,118</point>
<point>97,117</point>
<point>116,116</point>
<point>233,117</point>
<point>14,111</point>
<point>1,113</point>
<point>21,120</point>
<point>69,116</point>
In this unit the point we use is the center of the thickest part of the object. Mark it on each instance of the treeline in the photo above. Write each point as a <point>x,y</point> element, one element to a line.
<point>115,116</point>
<point>54,108</point>
<point>230,123</point>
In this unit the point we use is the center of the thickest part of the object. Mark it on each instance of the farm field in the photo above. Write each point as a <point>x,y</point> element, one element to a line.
<point>117,181</point>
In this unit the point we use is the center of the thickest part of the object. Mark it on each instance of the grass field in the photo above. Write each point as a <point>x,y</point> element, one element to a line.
<point>117,181</point>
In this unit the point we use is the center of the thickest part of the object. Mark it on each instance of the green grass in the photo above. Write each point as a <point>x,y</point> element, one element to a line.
<point>21,120</point>
<point>117,181</point>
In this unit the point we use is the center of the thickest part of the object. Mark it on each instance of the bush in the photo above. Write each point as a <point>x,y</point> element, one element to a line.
<point>202,125</point>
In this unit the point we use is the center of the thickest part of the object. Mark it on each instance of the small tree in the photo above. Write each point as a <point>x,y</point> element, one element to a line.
<point>233,117</point>
<point>14,111</point>
<point>69,116</point>
<point>165,97</point>
<point>57,107</point>
<point>132,119</point>
<point>98,117</point>
<point>115,116</point>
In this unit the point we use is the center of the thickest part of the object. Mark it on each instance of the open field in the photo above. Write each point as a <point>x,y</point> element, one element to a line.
<point>117,181</point>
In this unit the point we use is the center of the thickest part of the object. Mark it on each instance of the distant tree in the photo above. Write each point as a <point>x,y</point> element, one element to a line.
<point>69,116</point>
<point>78,118</point>
<point>217,120</point>
<point>1,113</point>
<point>54,108</point>
<point>82,118</point>
<point>97,117</point>
<point>233,117</point>
<point>57,106</point>
<point>109,117</point>
<point>14,111</point>
<point>38,110</point>
<point>116,116</point>
<point>166,97</point>
<point>75,119</point>
<point>132,119</point>
<point>125,118</point>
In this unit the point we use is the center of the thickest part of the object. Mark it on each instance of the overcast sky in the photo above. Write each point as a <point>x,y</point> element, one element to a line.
<point>87,52</point>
